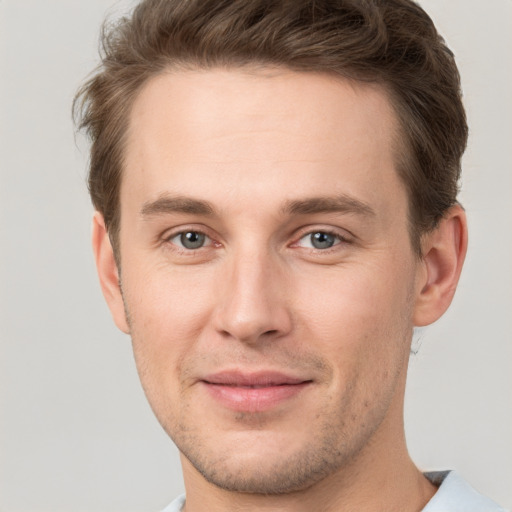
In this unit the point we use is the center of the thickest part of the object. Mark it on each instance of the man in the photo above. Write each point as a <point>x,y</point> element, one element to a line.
<point>275,185</point>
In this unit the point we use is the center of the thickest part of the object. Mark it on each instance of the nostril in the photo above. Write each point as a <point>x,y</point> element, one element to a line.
<point>250,337</point>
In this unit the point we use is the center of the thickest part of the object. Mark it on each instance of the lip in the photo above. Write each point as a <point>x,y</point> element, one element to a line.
<point>253,391</point>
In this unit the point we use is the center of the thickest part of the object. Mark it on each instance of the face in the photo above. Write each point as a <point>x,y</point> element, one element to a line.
<point>267,272</point>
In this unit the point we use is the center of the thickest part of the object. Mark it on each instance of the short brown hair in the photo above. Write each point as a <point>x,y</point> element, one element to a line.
<point>390,42</point>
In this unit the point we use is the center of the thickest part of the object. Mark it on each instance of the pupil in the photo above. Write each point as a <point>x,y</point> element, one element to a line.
<point>322,240</point>
<point>192,240</point>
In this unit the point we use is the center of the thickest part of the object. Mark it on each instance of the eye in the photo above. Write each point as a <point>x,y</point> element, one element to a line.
<point>319,240</point>
<point>190,240</point>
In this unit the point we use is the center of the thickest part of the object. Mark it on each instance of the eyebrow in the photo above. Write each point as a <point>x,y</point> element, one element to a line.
<point>338,204</point>
<point>181,204</point>
<point>176,204</point>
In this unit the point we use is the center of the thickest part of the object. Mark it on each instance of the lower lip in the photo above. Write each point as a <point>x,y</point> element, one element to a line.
<point>245,399</point>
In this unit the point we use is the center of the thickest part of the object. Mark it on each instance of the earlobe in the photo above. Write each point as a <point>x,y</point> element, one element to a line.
<point>444,250</point>
<point>108,272</point>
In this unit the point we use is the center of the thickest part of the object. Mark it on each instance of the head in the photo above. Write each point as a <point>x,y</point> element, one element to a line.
<point>393,44</point>
<point>275,185</point>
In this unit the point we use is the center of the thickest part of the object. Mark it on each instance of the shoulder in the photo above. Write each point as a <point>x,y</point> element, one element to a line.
<point>456,495</point>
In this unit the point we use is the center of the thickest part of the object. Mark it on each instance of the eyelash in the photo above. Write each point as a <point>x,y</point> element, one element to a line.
<point>167,239</point>
<point>330,232</point>
<point>340,240</point>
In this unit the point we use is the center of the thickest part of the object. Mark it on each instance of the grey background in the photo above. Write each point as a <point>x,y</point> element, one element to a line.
<point>76,433</point>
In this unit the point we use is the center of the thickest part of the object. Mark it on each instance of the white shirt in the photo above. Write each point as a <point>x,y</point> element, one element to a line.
<point>454,495</point>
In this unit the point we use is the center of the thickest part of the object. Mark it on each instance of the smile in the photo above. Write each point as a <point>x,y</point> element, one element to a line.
<point>256,392</point>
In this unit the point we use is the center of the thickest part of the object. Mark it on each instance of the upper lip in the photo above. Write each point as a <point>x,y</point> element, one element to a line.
<point>253,379</point>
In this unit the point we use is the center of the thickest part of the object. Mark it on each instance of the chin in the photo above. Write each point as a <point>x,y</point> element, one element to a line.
<point>267,477</point>
<point>272,468</point>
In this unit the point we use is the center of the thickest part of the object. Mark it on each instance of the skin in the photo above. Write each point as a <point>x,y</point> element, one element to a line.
<point>258,160</point>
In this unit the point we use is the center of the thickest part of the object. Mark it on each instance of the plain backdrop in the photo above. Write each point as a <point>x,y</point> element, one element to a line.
<point>76,434</point>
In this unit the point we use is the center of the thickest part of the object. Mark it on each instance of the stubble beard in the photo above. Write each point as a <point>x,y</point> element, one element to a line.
<point>296,472</point>
<point>333,446</point>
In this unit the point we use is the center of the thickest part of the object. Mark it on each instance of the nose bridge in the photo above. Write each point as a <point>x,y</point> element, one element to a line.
<point>252,304</point>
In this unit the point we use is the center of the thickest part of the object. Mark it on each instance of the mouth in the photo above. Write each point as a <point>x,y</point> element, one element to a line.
<point>253,392</point>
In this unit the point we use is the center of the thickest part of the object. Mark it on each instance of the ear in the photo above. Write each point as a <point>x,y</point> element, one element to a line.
<point>444,250</point>
<point>108,272</point>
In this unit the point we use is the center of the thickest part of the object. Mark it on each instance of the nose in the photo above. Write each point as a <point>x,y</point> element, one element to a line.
<point>252,305</point>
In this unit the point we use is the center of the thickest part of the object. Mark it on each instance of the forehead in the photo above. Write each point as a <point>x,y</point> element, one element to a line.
<point>261,132</point>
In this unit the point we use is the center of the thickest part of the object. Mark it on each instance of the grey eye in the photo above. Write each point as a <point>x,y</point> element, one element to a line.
<point>322,240</point>
<point>191,239</point>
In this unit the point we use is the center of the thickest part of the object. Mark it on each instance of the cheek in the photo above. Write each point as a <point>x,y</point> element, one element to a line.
<point>167,312</point>
<point>361,330</point>
<point>160,297</point>
<point>360,317</point>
